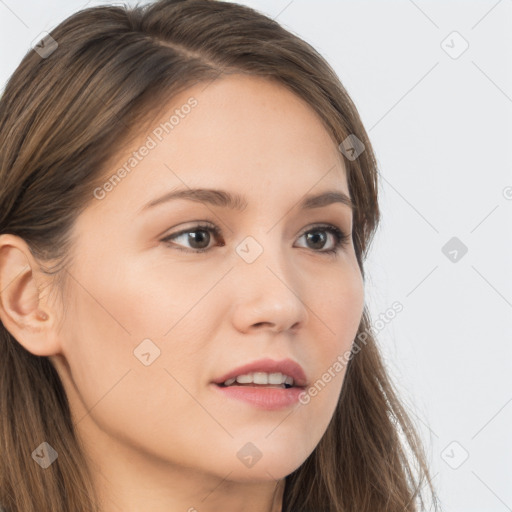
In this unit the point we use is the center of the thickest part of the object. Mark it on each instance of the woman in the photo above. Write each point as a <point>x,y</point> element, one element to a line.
<point>188,198</point>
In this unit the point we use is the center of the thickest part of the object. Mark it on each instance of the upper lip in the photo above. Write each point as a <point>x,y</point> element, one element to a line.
<point>285,366</point>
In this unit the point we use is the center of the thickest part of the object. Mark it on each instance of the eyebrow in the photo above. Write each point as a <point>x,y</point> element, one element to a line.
<point>233,201</point>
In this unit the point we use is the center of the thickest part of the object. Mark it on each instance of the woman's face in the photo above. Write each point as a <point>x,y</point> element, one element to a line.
<point>150,325</point>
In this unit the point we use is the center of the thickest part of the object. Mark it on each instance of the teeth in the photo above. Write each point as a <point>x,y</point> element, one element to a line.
<point>244,379</point>
<point>261,378</point>
<point>276,378</point>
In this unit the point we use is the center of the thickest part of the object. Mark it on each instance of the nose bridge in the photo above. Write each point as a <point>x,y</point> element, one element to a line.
<point>263,251</point>
<point>268,283</point>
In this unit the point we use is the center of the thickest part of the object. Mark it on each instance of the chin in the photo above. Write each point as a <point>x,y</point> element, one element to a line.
<point>275,466</point>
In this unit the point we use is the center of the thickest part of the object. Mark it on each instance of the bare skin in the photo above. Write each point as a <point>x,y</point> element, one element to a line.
<point>159,437</point>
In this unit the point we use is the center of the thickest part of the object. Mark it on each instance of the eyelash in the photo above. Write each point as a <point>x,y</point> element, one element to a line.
<point>341,238</point>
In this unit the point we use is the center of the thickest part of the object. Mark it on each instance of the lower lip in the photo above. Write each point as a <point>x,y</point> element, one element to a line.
<point>269,399</point>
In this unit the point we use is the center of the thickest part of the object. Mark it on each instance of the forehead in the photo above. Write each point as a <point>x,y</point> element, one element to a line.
<point>240,133</point>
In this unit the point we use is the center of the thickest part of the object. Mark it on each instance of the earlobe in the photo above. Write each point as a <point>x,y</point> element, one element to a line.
<point>23,311</point>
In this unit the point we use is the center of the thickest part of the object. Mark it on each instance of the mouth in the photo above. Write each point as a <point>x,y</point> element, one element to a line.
<point>266,384</point>
<point>254,385</point>
<point>265,372</point>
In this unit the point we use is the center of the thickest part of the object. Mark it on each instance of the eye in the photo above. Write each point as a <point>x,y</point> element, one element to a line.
<point>201,241</point>
<point>340,237</point>
<point>199,238</point>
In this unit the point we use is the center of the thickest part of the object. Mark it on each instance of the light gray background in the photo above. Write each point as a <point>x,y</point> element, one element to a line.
<point>441,128</point>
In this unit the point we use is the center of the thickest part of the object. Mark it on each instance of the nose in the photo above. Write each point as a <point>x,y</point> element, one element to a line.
<point>268,295</point>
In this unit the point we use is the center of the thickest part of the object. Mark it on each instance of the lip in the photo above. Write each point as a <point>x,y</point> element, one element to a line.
<point>267,365</point>
<point>269,399</point>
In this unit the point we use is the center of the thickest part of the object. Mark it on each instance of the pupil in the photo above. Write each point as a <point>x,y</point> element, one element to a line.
<point>199,238</point>
<point>314,235</point>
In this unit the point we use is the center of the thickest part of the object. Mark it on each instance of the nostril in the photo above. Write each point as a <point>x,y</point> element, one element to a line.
<point>260,323</point>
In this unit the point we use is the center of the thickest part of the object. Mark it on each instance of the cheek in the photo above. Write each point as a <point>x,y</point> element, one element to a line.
<point>127,317</point>
<point>340,305</point>
<point>152,296</point>
<point>338,315</point>
<point>112,390</point>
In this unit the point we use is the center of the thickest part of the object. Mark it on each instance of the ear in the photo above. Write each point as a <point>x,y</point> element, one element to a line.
<point>24,311</point>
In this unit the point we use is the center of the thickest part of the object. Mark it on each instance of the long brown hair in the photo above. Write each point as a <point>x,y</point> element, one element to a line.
<point>62,115</point>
